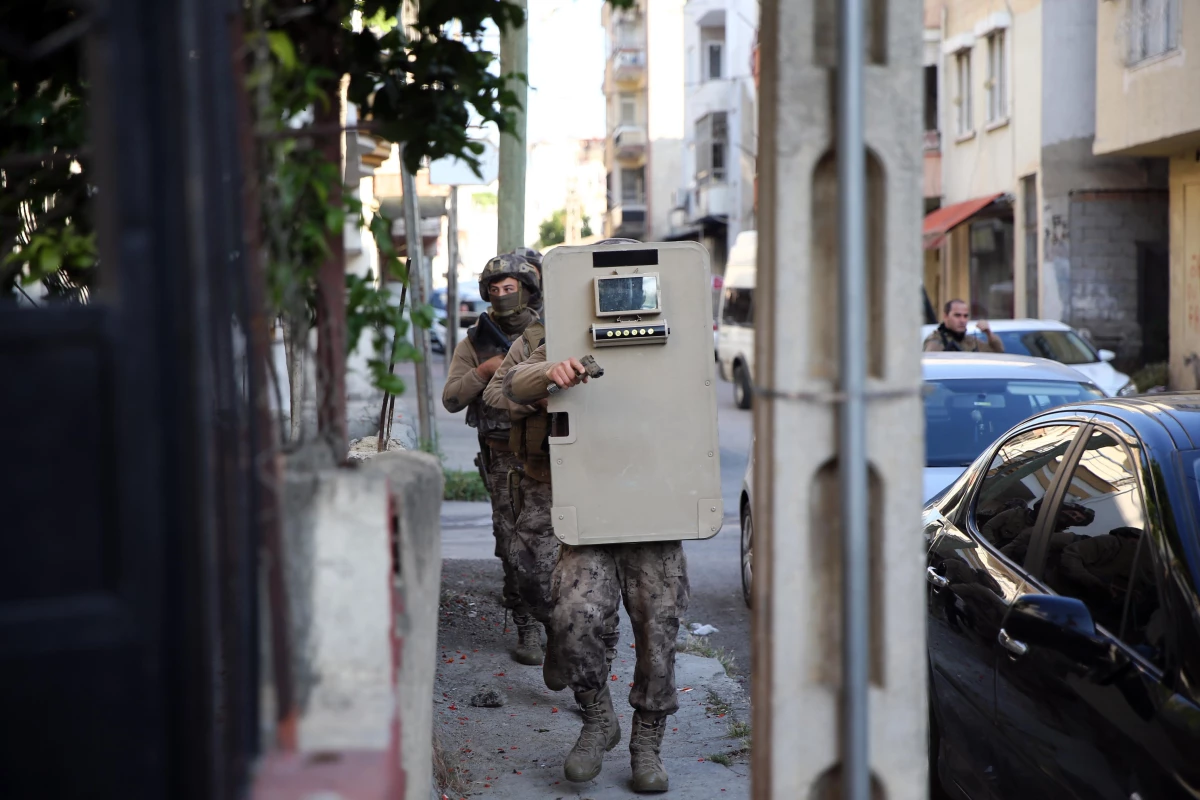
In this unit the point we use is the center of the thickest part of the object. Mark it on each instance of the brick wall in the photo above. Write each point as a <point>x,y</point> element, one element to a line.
<point>1104,231</point>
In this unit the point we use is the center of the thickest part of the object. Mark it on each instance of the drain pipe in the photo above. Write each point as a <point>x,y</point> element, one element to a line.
<point>851,161</point>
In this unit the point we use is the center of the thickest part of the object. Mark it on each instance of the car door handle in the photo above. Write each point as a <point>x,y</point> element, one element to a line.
<point>1010,644</point>
<point>938,581</point>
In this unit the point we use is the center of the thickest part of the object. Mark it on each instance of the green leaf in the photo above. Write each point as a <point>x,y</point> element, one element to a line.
<point>422,316</point>
<point>283,49</point>
<point>48,261</point>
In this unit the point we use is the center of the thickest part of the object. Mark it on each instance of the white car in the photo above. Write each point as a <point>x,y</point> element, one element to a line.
<point>970,401</point>
<point>1057,341</point>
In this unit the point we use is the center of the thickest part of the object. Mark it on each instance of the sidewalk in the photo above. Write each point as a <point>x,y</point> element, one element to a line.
<point>516,752</point>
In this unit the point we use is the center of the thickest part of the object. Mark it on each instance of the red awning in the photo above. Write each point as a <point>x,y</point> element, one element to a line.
<point>940,222</point>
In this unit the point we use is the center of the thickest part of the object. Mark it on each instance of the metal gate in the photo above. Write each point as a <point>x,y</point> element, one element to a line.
<point>128,471</point>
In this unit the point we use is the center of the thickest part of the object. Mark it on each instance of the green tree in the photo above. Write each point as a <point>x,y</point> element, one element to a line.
<point>586,230</point>
<point>553,229</point>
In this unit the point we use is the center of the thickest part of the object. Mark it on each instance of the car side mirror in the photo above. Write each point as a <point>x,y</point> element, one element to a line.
<point>1106,355</point>
<point>1062,624</point>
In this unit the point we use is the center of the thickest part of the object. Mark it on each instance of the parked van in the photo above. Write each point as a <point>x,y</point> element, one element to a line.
<point>735,318</point>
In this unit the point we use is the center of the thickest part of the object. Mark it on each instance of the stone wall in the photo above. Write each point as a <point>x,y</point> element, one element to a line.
<point>1105,230</point>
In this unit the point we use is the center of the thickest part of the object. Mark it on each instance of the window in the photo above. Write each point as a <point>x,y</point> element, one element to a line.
<point>997,84</point>
<point>712,60</point>
<point>1065,347</point>
<point>963,416</point>
<point>712,146</point>
<point>1029,218</point>
<point>633,186</point>
<point>931,98</point>
<point>1152,28</point>
<point>1098,551</point>
<point>962,71</point>
<point>991,268</point>
<point>739,308</point>
<point>627,108</point>
<point>1010,498</point>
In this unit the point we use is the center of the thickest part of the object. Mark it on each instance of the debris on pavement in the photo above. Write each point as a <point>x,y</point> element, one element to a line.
<point>703,630</point>
<point>489,697</point>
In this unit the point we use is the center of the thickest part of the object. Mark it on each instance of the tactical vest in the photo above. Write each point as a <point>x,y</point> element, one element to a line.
<point>491,422</point>
<point>530,436</point>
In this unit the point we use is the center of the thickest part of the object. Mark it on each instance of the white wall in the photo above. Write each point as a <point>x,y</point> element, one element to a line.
<point>665,111</point>
<point>734,93</point>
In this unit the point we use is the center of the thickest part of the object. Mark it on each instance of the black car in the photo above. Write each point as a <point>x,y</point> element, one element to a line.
<point>1063,613</point>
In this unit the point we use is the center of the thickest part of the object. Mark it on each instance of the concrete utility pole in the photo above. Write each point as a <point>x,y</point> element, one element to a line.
<point>839,187</point>
<point>418,288</point>
<point>514,58</point>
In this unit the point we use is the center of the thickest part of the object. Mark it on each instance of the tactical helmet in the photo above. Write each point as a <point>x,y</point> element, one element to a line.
<point>510,265</point>
<point>619,241</point>
<point>530,255</point>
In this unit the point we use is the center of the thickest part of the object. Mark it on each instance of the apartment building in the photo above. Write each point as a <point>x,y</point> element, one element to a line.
<point>1145,109</point>
<point>715,201</point>
<point>643,88</point>
<point>1032,223</point>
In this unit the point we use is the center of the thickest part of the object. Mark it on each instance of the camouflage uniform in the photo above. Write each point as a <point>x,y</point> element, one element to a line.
<point>534,549</point>
<point>464,390</point>
<point>589,585</point>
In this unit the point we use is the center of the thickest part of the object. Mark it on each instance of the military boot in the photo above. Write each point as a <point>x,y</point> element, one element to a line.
<point>645,743</point>
<point>600,733</point>
<point>529,641</point>
<point>552,673</point>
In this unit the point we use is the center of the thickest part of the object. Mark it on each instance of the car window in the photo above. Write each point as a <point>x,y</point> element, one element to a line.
<point>1098,551</point>
<point>739,307</point>
<point>1010,497</point>
<point>965,415</point>
<point>1066,347</point>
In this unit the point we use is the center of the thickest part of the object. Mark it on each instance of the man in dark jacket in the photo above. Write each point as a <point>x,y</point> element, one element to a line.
<point>951,336</point>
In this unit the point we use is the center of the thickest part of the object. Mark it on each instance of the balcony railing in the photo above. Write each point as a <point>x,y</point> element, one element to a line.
<point>629,143</point>
<point>627,220</point>
<point>629,65</point>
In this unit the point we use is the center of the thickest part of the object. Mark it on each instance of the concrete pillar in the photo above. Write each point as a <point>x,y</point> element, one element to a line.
<point>362,556</point>
<point>797,605</point>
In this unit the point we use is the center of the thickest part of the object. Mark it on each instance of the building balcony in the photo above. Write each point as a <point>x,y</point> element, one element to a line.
<point>627,221</point>
<point>629,145</point>
<point>712,200</point>
<point>627,67</point>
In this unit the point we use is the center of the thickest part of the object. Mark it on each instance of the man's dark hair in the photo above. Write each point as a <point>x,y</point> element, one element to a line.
<point>950,305</point>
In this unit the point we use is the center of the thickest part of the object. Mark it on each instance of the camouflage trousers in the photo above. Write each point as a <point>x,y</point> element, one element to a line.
<point>535,551</point>
<point>588,587</point>
<point>503,526</point>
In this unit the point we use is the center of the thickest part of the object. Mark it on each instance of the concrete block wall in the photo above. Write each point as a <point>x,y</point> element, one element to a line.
<point>1104,231</point>
<point>362,560</point>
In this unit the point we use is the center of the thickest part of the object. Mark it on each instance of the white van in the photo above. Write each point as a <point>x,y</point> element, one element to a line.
<point>735,317</point>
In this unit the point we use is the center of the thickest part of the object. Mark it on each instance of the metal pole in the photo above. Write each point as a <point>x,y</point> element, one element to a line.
<point>452,279</point>
<point>514,58</point>
<point>851,164</point>
<point>416,277</point>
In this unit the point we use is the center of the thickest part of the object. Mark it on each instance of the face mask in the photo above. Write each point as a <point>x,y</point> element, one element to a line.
<point>509,304</point>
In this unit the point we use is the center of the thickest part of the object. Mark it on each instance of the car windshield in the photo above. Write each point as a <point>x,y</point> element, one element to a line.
<point>1066,347</point>
<point>965,415</point>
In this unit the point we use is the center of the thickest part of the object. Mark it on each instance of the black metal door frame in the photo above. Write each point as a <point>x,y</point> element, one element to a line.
<point>129,657</point>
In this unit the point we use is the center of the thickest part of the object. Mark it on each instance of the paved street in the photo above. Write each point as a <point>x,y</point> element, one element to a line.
<point>713,565</point>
